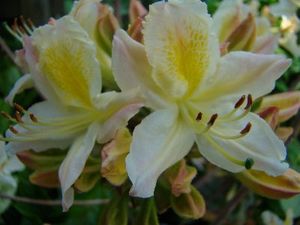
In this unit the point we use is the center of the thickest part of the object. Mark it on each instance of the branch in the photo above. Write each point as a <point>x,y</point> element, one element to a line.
<point>53,202</point>
<point>232,204</point>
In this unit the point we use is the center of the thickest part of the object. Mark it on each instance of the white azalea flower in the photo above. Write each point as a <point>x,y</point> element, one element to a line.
<point>197,96</point>
<point>8,183</point>
<point>65,70</point>
<point>285,7</point>
<point>239,26</point>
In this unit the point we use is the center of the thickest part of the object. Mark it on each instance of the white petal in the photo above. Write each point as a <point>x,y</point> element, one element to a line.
<point>25,82</point>
<point>131,68</point>
<point>74,162</point>
<point>45,111</point>
<point>284,7</point>
<point>266,44</point>
<point>119,107</point>
<point>260,144</point>
<point>14,147</point>
<point>67,60</point>
<point>40,81</point>
<point>242,73</point>
<point>158,142</point>
<point>180,45</point>
<point>8,186</point>
<point>3,156</point>
<point>13,164</point>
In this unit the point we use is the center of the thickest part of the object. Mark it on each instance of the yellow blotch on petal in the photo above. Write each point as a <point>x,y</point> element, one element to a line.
<point>67,61</point>
<point>178,49</point>
<point>187,56</point>
<point>65,70</point>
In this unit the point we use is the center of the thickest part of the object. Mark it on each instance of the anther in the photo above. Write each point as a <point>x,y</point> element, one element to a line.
<point>18,117</point>
<point>246,129</point>
<point>12,129</point>
<point>212,120</point>
<point>249,102</point>
<point>30,23</point>
<point>19,108</point>
<point>33,118</point>
<point>249,163</point>
<point>240,102</point>
<point>199,116</point>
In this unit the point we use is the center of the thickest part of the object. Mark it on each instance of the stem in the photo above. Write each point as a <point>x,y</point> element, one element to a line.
<point>232,204</point>
<point>53,202</point>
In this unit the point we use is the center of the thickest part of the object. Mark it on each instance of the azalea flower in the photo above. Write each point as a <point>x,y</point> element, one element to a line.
<point>96,19</point>
<point>63,65</point>
<point>240,28</point>
<point>290,24</point>
<point>196,96</point>
<point>285,7</point>
<point>8,183</point>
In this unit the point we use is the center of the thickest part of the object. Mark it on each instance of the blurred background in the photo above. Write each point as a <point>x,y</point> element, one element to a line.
<point>39,11</point>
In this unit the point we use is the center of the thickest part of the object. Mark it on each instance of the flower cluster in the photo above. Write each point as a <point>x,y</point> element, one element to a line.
<point>177,80</point>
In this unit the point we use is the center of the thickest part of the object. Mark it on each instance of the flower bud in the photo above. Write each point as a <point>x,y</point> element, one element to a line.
<point>136,10</point>
<point>113,155</point>
<point>191,205</point>
<point>100,23</point>
<point>284,186</point>
<point>180,177</point>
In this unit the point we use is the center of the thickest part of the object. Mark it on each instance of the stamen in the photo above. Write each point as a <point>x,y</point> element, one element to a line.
<point>12,129</point>
<point>249,163</point>
<point>212,120</point>
<point>223,152</point>
<point>240,102</point>
<point>13,33</point>
<point>33,118</point>
<point>247,129</point>
<point>19,108</point>
<point>199,116</point>
<point>6,115</point>
<point>249,102</point>
<point>18,117</point>
<point>29,31</point>
<point>242,133</point>
<point>31,24</point>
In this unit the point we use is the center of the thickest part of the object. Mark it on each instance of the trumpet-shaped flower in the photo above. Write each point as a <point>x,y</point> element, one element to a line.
<point>96,19</point>
<point>197,96</point>
<point>285,7</point>
<point>290,24</point>
<point>65,70</point>
<point>240,28</point>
